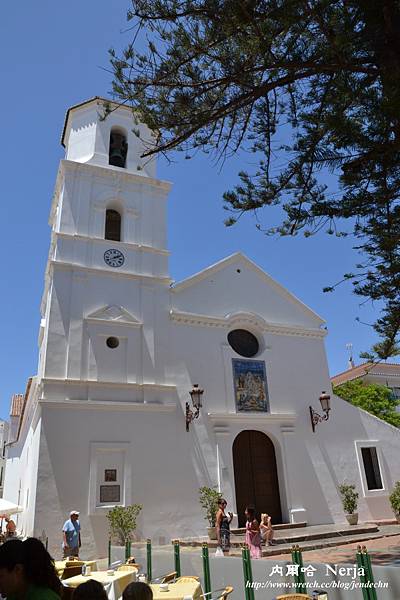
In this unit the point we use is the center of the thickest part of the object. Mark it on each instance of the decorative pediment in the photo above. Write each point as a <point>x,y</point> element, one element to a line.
<point>272,302</point>
<point>114,314</point>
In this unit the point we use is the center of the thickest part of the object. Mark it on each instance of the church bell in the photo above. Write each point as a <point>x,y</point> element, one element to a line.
<point>118,149</point>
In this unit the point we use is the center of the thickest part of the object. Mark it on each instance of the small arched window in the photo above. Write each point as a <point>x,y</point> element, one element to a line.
<point>113,225</point>
<point>118,148</point>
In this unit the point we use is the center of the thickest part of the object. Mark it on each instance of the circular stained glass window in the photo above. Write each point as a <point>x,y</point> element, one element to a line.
<point>112,342</point>
<point>243,342</point>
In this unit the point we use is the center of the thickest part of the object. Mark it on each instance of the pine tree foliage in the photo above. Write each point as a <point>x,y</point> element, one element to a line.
<point>323,75</point>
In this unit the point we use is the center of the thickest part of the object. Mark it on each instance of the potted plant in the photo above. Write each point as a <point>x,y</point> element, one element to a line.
<point>394,499</point>
<point>208,498</point>
<point>122,522</point>
<point>349,501</point>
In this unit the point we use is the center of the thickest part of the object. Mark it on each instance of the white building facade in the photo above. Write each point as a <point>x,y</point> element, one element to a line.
<point>120,347</point>
<point>4,426</point>
<point>386,374</point>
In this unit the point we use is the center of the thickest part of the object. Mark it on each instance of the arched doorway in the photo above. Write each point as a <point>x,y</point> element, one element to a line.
<point>256,477</point>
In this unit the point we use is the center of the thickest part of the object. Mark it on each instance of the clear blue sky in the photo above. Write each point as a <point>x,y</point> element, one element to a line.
<point>54,55</point>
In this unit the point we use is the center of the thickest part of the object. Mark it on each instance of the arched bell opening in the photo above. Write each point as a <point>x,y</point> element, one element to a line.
<point>118,149</point>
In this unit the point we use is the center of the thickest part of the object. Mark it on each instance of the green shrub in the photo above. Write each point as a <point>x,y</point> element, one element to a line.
<point>394,498</point>
<point>122,522</point>
<point>209,501</point>
<point>349,498</point>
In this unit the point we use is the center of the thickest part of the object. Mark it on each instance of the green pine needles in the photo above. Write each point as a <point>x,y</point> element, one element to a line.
<point>311,89</point>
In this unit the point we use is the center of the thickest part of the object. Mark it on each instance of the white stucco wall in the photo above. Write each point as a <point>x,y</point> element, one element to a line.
<point>94,408</point>
<point>86,136</point>
<point>22,465</point>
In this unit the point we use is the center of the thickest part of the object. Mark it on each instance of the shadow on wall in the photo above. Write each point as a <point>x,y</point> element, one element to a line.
<point>100,531</point>
<point>379,507</point>
<point>50,515</point>
<point>314,493</point>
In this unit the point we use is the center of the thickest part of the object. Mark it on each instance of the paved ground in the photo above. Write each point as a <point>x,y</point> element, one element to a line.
<point>383,551</point>
<point>322,543</point>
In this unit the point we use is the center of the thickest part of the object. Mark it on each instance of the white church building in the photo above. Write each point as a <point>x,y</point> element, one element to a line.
<point>121,346</point>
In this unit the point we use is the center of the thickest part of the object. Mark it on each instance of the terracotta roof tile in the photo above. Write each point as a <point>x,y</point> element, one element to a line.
<point>17,403</point>
<point>364,369</point>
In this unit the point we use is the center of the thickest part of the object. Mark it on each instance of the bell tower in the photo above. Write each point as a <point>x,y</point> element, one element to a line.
<point>99,132</point>
<point>108,252</point>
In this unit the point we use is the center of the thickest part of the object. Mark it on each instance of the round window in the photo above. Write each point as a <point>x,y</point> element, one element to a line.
<point>112,342</point>
<point>243,342</point>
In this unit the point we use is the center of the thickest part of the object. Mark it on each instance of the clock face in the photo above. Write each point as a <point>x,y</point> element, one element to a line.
<point>114,258</point>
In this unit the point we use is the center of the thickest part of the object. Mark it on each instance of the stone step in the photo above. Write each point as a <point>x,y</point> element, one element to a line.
<point>296,537</point>
<point>292,536</point>
<point>320,544</point>
<point>278,527</point>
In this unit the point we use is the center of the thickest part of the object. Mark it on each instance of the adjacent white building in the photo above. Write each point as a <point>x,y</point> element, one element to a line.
<point>121,345</point>
<point>387,374</point>
<point>3,441</point>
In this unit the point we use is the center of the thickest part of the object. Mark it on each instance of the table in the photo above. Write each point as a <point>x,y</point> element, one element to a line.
<point>61,564</point>
<point>113,584</point>
<point>177,591</point>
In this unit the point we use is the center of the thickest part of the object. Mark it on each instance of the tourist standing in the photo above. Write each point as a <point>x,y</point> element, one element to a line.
<point>266,531</point>
<point>222,523</point>
<point>11,528</point>
<point>71,535</point>
<point>253,537</point>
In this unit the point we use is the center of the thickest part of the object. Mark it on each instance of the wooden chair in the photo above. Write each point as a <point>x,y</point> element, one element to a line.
<point>220,594</point>
<point>71,572</point>
<point>294,597</point>
<point>134,567</point>
<point>228,590</point>
<point>187,579</point>
<point>74,563</point>
<point>169,577</point>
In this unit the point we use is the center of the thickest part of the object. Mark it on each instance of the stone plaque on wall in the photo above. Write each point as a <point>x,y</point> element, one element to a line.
<point>110,475</point>
<point>110,493</point>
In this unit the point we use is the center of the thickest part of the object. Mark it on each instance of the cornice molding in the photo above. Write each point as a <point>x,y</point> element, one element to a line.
<point>244,318</point>
<point>104,271</point>
<point>109,172</point>
<point>120,174</point>
<point>114,384</point>
<point>109,405</point>
<point>254,418</point>
<point>104,242</point>
<point>96,321</point>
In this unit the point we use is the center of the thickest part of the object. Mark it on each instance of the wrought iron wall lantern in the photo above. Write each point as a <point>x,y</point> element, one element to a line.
<point>316,418</point>
<point>196,394</point>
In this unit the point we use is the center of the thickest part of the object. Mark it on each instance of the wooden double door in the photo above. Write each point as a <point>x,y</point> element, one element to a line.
<point>256,477</point>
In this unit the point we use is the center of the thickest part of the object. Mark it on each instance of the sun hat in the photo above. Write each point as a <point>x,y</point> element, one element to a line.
<point>74,512</point>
